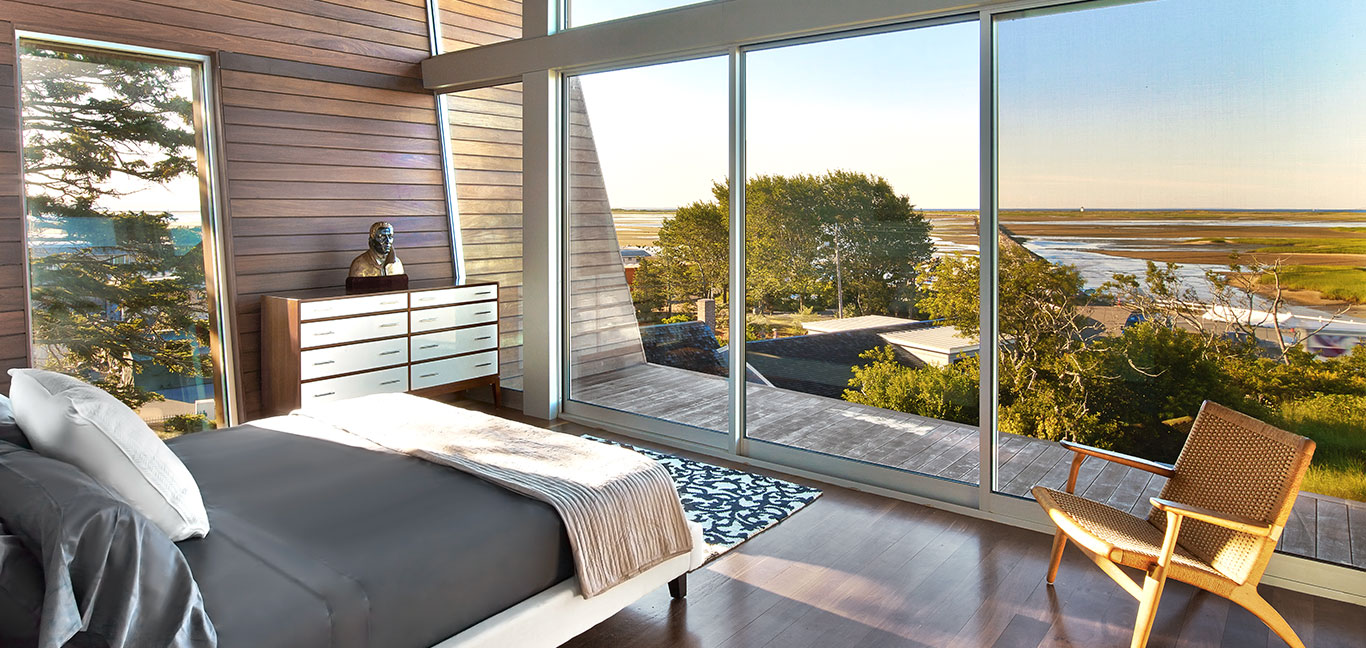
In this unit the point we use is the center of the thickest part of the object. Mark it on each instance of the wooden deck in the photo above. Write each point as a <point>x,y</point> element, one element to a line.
<point>1321,527</point>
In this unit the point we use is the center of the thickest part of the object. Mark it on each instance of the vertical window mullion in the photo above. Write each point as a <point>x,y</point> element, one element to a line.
<point>987,242</point>
<point>736,307</point>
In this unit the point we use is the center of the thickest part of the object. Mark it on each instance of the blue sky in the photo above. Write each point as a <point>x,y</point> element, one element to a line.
<point>1161,104</point>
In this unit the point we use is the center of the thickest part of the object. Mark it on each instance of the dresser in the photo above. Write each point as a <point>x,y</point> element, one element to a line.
<point>319,347</point>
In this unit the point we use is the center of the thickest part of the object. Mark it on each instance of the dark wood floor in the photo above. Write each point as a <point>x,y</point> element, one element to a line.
<point>860,570</point>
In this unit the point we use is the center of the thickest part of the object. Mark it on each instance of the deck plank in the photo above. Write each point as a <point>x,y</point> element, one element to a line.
<point>1330,523</point>
<point>1301,532</point>
<point>1356,527</point>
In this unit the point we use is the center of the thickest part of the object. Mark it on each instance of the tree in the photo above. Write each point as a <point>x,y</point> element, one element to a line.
<point>115,295</point>
<point>696,239</point>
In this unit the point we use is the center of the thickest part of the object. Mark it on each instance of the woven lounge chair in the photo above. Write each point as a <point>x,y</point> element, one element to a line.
<point>1214,526</point>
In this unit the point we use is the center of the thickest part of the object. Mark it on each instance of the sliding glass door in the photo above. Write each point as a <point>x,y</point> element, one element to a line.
<point>861,158</point>
<point>1180,213</point>
<point>648,312</point>
<point>121,229</point>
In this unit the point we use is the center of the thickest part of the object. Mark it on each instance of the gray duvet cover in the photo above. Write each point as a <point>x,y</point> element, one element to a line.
<point>317,544</point>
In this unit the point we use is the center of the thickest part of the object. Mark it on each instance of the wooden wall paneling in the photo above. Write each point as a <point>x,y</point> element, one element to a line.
<point>14,324</point>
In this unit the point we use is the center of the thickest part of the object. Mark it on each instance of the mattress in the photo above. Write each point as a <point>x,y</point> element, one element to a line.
<point>315,543</point>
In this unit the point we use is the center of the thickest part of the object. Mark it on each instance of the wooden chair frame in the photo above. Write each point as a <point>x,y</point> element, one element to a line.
<point>1149,593</point>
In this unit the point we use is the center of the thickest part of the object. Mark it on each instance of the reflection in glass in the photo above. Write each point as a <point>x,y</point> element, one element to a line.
<point>113,160</point>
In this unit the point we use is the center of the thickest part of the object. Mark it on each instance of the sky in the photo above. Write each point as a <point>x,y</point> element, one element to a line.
<point>1215,104</point>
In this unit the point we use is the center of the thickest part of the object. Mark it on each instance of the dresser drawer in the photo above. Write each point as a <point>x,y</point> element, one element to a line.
<point>446,296</point>
<point>434,319</point>
<point>347,306</point>
<point>445,343</point>
<point>375,382</point>
<point>441,372</point>
<point>321,363</point>
<point>352,329</point>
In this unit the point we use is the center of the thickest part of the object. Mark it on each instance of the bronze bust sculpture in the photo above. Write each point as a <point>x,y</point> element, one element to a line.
<point>379,260</point>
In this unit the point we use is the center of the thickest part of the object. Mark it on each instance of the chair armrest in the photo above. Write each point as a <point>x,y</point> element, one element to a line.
<point>1154,467</point>
<point>1228,521</point>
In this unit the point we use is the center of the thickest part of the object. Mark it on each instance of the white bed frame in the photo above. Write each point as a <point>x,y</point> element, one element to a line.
<point>561,613</point>
<point>547,619</point>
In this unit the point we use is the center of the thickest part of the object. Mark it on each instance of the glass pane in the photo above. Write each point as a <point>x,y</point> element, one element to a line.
<point>1182,220</point>
<point>648,250</point>
<point>486,157</point>
<point>586,12</point>
<point>115,228</point>
<point>862,166</point>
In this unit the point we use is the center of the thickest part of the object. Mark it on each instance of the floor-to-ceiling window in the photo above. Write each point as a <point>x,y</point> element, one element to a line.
<point>1181,186</point>
<point>648,292</point>
<point>120,226</point>
<point>861,155</point>
<point>1114,134</point>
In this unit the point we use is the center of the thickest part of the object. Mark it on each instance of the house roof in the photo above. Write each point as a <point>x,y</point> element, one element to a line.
<point>855,323</point>
<point>938,339</point>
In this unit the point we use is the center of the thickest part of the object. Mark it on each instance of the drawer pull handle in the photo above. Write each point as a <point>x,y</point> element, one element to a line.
<point>427,375</point>
<point>322,333</point>
<point>483,312</point>
<point>425,298</point>
<point>483,364</point>
<point>428,319</point>
<point>324,362</point>
<point>390,352</point>
<point>389,303</point>
<point>486,292</point>
<point>390,382</point>
<point>389,325</point>
<point>429,346</point>
<point>324,394</point>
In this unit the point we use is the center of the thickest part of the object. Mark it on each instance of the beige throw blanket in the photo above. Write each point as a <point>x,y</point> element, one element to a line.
<point>621,509</point>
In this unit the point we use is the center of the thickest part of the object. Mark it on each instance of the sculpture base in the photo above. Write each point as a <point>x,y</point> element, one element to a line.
<point>363,285</point>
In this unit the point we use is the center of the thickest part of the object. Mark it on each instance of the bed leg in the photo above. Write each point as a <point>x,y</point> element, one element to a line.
<point>678,587</point>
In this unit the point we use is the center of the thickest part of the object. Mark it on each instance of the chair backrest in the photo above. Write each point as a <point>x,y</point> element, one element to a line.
<point>1233,463</point>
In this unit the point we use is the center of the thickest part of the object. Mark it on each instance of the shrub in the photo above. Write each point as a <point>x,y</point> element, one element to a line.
<point>945,393</point>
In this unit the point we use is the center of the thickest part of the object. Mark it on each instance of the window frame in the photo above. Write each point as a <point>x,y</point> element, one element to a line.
<point>209,147</point>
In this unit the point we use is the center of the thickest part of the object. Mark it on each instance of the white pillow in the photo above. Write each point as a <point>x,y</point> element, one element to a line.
<point>67,419</point>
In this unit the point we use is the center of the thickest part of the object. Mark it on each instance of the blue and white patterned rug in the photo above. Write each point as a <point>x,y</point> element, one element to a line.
<point>731,505</point>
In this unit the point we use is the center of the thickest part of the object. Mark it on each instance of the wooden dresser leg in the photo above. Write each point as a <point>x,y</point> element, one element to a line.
<point>678,587</point>
<point>497,395</point>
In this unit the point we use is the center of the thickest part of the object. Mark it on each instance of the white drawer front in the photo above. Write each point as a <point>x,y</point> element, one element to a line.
<point>441,372</point>
<point>321,363</point>
<point>433,319</point>
<point>352,306</point>
<point>375,382</point>
<point>454,296</point>
<point>444,343</point>
<point>312,334</point>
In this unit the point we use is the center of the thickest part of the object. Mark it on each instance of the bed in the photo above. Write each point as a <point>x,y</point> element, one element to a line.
<point>321,539</point>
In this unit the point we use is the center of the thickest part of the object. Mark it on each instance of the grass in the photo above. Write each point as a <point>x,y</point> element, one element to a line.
<point>1344,284</point>
<point>1344,245</point>
<point>1337,424</point>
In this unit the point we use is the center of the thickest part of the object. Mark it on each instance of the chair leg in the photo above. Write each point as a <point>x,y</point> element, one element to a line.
<point>1059,543</point>
<point>1147,607</point>
<point>1273,619</point>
